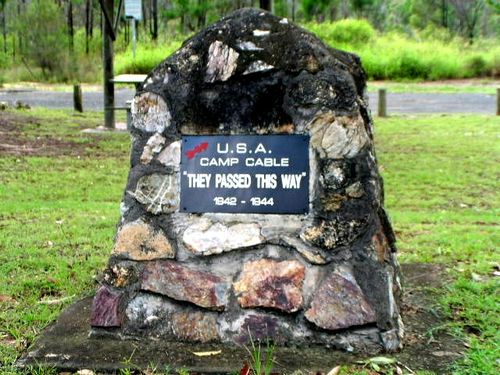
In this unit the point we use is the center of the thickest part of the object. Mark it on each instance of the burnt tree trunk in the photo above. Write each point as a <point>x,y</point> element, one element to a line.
<point>107,57</point>
<point>144,17</point>
<point>71,30</point>
<point>202,15</point>
<point>4,30</point>
<point>154,19</point>
<point>265,4</point>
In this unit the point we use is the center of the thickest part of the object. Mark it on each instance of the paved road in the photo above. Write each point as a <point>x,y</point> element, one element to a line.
<point>396,102</point>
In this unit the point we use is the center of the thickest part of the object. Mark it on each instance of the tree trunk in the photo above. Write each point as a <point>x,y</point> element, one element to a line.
<point>19,34</point>
<point>71,30</point>
<point>265,4</point>
<point>107,57</point>
<point>87,25</point>
<point>144,16</point>
<point>154,19</point>
<point>91,23</point>
<point>202,17</point>
<point>444,13</point>
<point>4,30</point>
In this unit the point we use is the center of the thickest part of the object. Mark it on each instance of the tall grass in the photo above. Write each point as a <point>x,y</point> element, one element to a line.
<point>147,56</point>
<point>425,56</point>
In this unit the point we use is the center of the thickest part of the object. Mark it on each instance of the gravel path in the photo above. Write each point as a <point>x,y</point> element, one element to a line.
<point>396,102</point>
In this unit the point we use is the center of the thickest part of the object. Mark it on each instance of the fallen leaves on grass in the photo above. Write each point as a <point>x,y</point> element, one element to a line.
<point>207,354</point>
<point>7,299</point>
<point>55,301</point>
<point>334,371</point>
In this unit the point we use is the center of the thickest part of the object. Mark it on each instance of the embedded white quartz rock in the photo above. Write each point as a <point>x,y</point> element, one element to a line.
<point>150,113</point>
<point>249,46</point>
<point>207,238</point>
<point>222,62</point>
<point>261,32</point>
<point>171,155</point>
<point>338,137</point>
<point>153,146</point>
<point>158,193</point>
<point>257,66</point>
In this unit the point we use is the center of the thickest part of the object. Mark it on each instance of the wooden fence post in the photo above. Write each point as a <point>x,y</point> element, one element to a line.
<point>382,103</point>
<point>77,98</point>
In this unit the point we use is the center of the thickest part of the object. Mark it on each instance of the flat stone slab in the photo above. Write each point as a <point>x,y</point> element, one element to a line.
<point>66,344</point>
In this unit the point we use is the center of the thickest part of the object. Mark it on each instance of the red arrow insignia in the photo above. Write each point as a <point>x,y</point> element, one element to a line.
<point>197,150</point>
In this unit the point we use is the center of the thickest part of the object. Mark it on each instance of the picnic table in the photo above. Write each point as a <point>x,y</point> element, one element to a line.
<point>135,79</point>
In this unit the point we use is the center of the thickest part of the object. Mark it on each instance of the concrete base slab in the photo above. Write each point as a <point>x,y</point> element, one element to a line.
<point>66,344</point>
<point>120,127</point>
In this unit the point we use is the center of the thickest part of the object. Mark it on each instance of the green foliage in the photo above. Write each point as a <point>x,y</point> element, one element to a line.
<point>261,362</point>
<point>147,57</point>
<point>398,57</point>
<point>317,8</point>
<point>388,56</point>
<point>44,28</point>
<point>348,31</point>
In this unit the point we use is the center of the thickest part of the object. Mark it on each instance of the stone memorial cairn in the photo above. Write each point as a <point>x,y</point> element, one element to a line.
<point>329,276</point>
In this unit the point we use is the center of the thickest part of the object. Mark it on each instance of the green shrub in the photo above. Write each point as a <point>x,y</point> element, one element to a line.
<point>348,31</point>
<point>426,56</point>
<point>476,66</point>
<point>147,57</point>
<point>47,42</point>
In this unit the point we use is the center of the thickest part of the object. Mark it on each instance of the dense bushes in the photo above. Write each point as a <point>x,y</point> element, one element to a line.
<point>430,56</point>
<point>147,57</point>
<point>397,56</point>
<point>348,31</point>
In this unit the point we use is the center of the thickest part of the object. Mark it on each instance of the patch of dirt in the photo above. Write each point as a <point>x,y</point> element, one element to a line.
<point>428,343</point>
<point>14,143</point>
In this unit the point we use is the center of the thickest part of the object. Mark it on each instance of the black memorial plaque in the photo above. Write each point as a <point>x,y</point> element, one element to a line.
<point>245,174</point>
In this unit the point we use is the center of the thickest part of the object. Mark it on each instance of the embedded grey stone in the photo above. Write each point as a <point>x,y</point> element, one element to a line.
<point>334,176</point>
<point>257,66</point>
<point>311,254</point>
<point>337,137</point>
<point>249,46</point>
<point>339,303</point>
<point>330,234</point>
<point>146,310</point>
<point>105,308</point>
<point>153,146</point>
<point>158,193</point>
<point>207,238</point>
<point>392,339</point>
<point>150,113</point>
<point>355,190</point>
<point>140,241</point>
<point>222,62</point>
<point>272,284</point>
<point>171,155</point>
<point>182,283</point>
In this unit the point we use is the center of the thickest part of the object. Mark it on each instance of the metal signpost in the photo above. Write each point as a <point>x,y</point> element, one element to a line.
<point>245,174</point>
<point>133,11</point>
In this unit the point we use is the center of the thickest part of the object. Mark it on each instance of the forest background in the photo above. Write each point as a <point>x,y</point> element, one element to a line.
<point>60,40</point>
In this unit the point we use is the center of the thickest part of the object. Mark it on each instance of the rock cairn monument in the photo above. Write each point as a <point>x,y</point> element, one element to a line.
<point>253,207</point>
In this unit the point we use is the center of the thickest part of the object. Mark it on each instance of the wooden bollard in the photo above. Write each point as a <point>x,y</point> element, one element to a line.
<point>77,98</point>
<point>498,101</point>
<point>382,103</point>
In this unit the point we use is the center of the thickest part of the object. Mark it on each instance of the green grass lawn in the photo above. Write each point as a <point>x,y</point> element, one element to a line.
<point>60,191</point>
